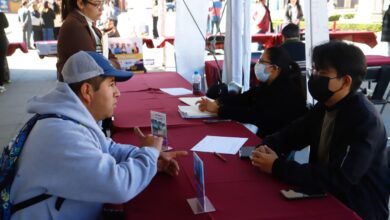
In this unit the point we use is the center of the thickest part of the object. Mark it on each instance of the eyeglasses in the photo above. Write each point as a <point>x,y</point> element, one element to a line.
<point>96,4</point>
<point>318,73</point>
<point>264,61</point>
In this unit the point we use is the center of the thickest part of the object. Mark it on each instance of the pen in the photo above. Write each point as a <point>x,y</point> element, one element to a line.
<point>220,156</point>
<point>209,121</point>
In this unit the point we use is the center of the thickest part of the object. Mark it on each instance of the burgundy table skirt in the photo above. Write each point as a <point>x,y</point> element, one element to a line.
<point>16,45</point>
<point>377,60</point>
<point>364,37</point>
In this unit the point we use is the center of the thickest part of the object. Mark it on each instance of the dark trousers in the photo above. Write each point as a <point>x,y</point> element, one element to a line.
<point>3,54</point>
<point>56,32</point>
<point>37,33</point>
<point>155,32</point>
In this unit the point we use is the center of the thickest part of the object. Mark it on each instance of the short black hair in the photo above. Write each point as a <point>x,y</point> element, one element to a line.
<point>290,30</point>
<point>94,81</point>
<point>346,59</point>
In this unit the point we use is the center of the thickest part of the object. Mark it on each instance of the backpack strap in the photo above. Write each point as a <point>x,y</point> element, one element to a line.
<point>29,202</point>
<point>34,200</point>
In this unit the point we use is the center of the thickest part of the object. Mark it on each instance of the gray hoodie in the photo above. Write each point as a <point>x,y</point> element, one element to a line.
<point>76,162</point>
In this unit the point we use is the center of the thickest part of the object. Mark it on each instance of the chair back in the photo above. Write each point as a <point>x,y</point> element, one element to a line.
<point>382,81</point>
<point>380,76</point>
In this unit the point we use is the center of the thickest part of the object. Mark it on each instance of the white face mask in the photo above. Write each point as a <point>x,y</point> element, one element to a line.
<point>261,73</point>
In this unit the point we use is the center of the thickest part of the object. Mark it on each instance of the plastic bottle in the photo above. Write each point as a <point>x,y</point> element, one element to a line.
<point>196,83</point>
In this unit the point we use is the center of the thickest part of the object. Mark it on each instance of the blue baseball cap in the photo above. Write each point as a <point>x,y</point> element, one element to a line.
<point>88,64</point>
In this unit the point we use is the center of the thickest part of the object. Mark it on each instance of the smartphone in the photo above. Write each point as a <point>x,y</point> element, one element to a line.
<point>291,194</point>
<point>245,152</point>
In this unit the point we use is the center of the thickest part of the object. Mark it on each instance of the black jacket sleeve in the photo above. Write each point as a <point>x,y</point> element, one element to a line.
<point>3,21</point>
<point>359,135</point>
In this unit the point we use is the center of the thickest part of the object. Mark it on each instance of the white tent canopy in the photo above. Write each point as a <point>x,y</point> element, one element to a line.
<point>189,43</point>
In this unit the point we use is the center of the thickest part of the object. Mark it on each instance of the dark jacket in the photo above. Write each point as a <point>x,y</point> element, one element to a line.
<point>288,13</point>
<point>48,18</point>
<point>296,49</point>
<point>75,35</point>
<point>3,23</point>
<point>386,26</point>
<point>357,172</point>
<point>269,107</point>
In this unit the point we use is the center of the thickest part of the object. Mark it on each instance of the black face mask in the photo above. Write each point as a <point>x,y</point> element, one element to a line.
<point>318,88</point>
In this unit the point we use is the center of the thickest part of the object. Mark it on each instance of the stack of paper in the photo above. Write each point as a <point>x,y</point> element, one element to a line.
<point>192,100</point>
<point>176,91</point>
<point>193,112</point>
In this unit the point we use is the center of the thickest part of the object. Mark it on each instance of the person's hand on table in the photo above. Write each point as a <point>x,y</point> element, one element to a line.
<point>149,140</point>
<point>167,163</point>
<point>263,158</point>
<point>207,105</point>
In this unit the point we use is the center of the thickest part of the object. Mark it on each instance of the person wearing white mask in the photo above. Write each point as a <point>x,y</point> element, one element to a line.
<point>274,103</point>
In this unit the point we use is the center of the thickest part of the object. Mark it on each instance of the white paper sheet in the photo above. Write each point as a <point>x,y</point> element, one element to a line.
<point>176,91</point>
<point>194,112</point>
<point>218,144</point>
<point>192,100</point>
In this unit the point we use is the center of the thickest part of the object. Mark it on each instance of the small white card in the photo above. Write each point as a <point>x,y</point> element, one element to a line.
<point>176,91</point>
<point>223,145</point>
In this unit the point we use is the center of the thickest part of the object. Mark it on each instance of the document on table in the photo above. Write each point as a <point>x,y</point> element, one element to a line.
<point>192,100</point>
<point>193,112</point>
<point>218,144</point>
<point>176,91</point>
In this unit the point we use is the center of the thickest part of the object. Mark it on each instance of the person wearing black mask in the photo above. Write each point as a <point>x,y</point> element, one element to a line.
<point>346,135</point>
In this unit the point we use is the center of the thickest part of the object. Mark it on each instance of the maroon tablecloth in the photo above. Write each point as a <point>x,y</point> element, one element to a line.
<point>15,45</point>
<point>271,39</point>
<point>169,39</point>
<point>365,37</point>
<point>268,39</point>
<point>377,60</point>
<point>149,42</point>
<point>236,188</point>
<point>212,71</point>
<point>133,110</point>
<point>153,81</point>
<point>142,94</point>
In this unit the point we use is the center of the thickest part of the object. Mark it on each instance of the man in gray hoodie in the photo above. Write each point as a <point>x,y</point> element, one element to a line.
<point>72,159</point>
